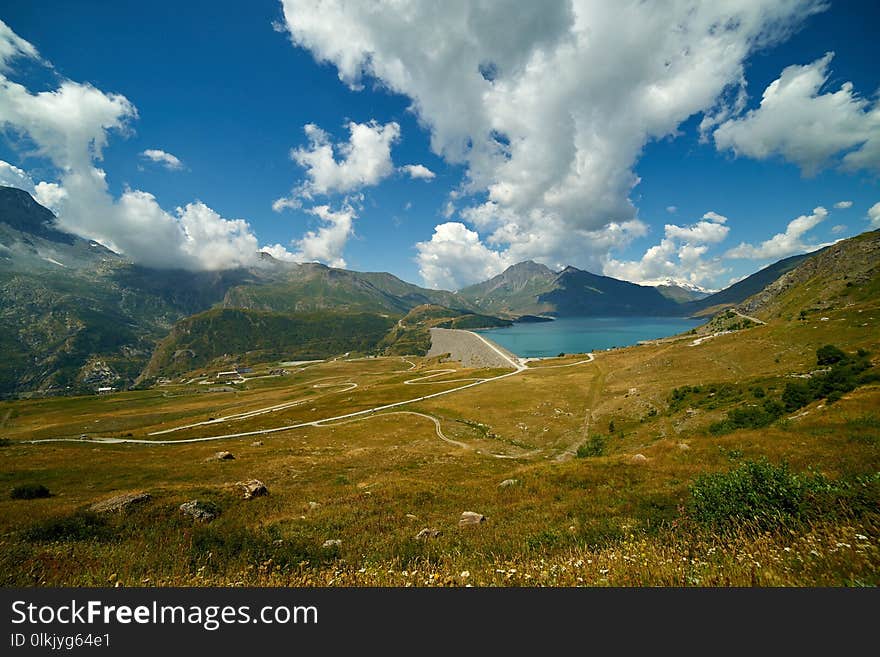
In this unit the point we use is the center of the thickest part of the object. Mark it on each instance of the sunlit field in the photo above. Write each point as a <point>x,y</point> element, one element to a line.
<point>584,471</point>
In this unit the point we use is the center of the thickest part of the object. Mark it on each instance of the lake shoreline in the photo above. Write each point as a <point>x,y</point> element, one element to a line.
<point>565,335</point>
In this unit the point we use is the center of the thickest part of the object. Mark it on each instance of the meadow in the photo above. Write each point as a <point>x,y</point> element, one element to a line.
<point>605,472</point>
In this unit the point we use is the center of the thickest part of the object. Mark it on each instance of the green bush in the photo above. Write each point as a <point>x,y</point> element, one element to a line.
<point>594,446</point>
<point>759,493</point>
<point>829,355</point>
<point>215,547</point>
<point>796,395</point>
<point>81,526</point>
<point>844,374</point>
<point>29,492</point>
<point>749,417</point>
<point>763,496</point>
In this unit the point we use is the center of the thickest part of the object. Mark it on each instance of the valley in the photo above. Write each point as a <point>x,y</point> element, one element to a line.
<point>602,456</point>
<point>338,428</point>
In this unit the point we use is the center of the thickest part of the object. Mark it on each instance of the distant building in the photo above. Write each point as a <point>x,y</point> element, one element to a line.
<point>106,390</point>
<point>231,374</point>
<point>244,370</point>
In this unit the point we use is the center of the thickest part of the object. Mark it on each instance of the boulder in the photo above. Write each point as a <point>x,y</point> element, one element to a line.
<point>257,443</point>
<point>426,533</point>
<point>684,447</point>
<point>469,518</point>
<point>638,458</point>
<point>411,516</point>
<point>508,482</point>
<point>331,542</point>
<point>221,456</point>
<point>201,511</point>
<point>313,506</point>
<point>119,502</point>
<point>252,488</point>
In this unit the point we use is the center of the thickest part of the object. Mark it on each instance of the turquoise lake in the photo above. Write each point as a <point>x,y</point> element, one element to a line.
<point>581,334</point>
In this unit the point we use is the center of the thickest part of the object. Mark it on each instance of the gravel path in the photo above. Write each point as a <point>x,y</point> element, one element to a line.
<point>470,349</point>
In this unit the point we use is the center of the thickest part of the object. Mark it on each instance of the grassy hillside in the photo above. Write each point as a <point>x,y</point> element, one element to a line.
<point>247,336</point>
<point>747,459</point>
<point>578,293</point>
<point>742,290</point>
<point>412,335</point>
<point>836,277</point>
<point>514,292</point>
<point>529,288</point>
<point>310,287</point>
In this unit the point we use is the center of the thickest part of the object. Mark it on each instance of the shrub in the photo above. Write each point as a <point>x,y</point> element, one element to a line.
<point>829,355</point>
<point>594,446</point>
<point>763,496</point>
<point>749,417</point>
<point>80,526</point>
<point>796,395</point>
<point>29,492</point>
<point>5,442</point>
<point>760,493</point>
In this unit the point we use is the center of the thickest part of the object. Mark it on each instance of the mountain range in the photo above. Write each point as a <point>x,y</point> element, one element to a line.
<point>74,315</point>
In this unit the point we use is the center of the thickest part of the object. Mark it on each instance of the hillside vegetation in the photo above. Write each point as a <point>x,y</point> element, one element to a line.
<point>412,334</point>
<point>746,458</point>
<point>248,336</point>
<point>75,316</point>
<point>310,287</point>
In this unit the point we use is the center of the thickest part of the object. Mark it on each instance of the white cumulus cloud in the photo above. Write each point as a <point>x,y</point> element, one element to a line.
<point>48,194</point>
<point>12,46</point>
<point>324,245</point>
<point>550,105</point>
<point>327,243</point>
<point>714,216</point>
<point>418,172</point>
<point>362,161</point>
<point>843,205</point>
<point>12,176</point>
<point>455,257</point>
<point>164,158</point>
<point>70,126</point>
<point>783,244</point>
<point>874,215</point>
<point>680,255</point>
<point>805,126</point>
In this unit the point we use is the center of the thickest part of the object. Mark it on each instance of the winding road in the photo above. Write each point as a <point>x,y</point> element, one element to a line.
<point>517,364</point>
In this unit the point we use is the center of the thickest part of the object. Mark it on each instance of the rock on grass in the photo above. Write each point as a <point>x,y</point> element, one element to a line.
<point>120,502</point>
<point>221,456</point>
<point>201,511</point>
<point>469,519</point>
<point>252,488</point>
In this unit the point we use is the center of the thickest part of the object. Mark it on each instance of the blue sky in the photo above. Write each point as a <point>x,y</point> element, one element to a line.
<point>222,87</point>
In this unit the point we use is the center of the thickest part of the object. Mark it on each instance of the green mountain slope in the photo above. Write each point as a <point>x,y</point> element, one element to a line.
<point>838,276</point>
<point>74,315</point>
<point>742,290</point>
<point>513,292</point>
<point>231,335</point>
<point>309,287</point>
<point>411,335</point>
<point>529,288</point>
<point>578,293</point>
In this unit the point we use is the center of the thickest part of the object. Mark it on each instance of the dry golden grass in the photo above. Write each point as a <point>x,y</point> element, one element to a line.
<point>377,480</point>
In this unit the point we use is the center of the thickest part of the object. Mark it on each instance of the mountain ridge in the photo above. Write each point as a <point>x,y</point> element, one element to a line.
<point>74,314</point>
